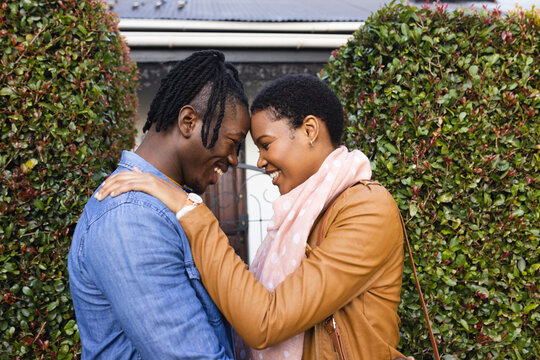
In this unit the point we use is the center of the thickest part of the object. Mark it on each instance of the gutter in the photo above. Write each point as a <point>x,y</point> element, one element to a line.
<point>234,40</point>
<point>238,26</point>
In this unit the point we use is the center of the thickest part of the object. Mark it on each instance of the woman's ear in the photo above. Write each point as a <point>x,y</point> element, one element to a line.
<point>311,128</point>
<point>187,119</point>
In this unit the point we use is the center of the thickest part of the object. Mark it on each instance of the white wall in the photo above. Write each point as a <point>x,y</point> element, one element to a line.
<point>260,195</point>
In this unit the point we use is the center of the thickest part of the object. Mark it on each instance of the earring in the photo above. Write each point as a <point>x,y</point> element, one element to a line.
<point>311,142</point>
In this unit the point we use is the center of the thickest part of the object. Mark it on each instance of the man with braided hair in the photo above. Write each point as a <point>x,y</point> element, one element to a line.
<point>136,291</point>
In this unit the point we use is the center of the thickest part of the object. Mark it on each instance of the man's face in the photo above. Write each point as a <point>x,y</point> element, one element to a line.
<point>205,166</point>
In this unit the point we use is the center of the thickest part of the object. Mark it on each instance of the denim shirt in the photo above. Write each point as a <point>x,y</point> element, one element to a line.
<point>136,291</point>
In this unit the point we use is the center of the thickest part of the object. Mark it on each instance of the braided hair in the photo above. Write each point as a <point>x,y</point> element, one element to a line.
<point>204,74</point>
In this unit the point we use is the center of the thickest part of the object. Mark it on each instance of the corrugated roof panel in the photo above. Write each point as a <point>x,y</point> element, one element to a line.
<point>247,10</point>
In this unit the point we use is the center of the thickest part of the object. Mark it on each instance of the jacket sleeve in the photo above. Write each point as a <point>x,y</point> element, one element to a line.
<point>362,232</point>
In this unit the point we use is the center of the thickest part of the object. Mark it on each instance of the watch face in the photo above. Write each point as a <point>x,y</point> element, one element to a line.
<point>195,198</point>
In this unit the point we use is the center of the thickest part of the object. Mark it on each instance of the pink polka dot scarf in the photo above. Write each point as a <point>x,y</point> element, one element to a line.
<point>294,214</point>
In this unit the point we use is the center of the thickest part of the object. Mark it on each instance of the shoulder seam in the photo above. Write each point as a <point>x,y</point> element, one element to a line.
<point>129,200</point>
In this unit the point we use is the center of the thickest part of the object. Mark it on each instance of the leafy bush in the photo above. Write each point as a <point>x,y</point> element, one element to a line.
<point>447,105</point>
<point>67,103</point>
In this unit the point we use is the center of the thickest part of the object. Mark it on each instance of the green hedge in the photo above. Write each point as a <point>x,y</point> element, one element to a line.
<point>67,104</point>
<point>447,106</point>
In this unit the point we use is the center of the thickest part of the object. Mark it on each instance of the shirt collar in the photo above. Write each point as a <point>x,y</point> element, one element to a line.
<point>130,160</point>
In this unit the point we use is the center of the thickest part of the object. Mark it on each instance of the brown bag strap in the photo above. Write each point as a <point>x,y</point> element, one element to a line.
<point>431,337</point>
<point>333,330</point>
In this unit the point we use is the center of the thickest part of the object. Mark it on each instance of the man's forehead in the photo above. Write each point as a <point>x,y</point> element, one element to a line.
<point>234,127</point>
<point>236,122</point>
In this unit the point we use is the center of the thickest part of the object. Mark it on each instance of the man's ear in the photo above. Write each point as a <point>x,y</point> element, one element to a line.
<point>311,127</point>
<point>187,121</point>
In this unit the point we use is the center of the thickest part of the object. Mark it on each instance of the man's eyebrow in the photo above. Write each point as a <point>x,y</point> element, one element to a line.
<point>239,133</point>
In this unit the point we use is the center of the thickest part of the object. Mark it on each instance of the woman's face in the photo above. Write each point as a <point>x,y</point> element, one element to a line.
<point>284,153</point>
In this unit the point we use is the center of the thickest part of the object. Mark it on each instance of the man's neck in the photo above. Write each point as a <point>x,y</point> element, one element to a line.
<point>156,150</point>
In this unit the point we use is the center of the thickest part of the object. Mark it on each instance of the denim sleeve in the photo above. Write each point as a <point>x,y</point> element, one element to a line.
<point>135,255</point>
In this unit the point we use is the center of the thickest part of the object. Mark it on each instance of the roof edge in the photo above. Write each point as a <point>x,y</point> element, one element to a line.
<point>234,40</point>
<point>239,26</point>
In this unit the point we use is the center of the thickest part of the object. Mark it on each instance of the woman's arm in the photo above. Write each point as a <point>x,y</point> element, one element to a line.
<point>172,196</point>
<point>360,238</point>
<point>358,242</point>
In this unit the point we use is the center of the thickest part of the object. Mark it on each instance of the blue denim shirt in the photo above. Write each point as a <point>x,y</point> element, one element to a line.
<point>136,291</point>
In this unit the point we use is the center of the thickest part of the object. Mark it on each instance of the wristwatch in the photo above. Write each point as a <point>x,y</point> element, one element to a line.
<point>192,201</point>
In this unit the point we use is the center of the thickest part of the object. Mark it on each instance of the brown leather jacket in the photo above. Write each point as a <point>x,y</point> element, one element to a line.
<point>355,273</point>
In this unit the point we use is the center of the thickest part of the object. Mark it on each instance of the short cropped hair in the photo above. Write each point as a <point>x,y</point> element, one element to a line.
<point>296,96</point>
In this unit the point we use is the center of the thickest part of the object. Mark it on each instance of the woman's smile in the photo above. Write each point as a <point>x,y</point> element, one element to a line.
<point>274,175</point>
